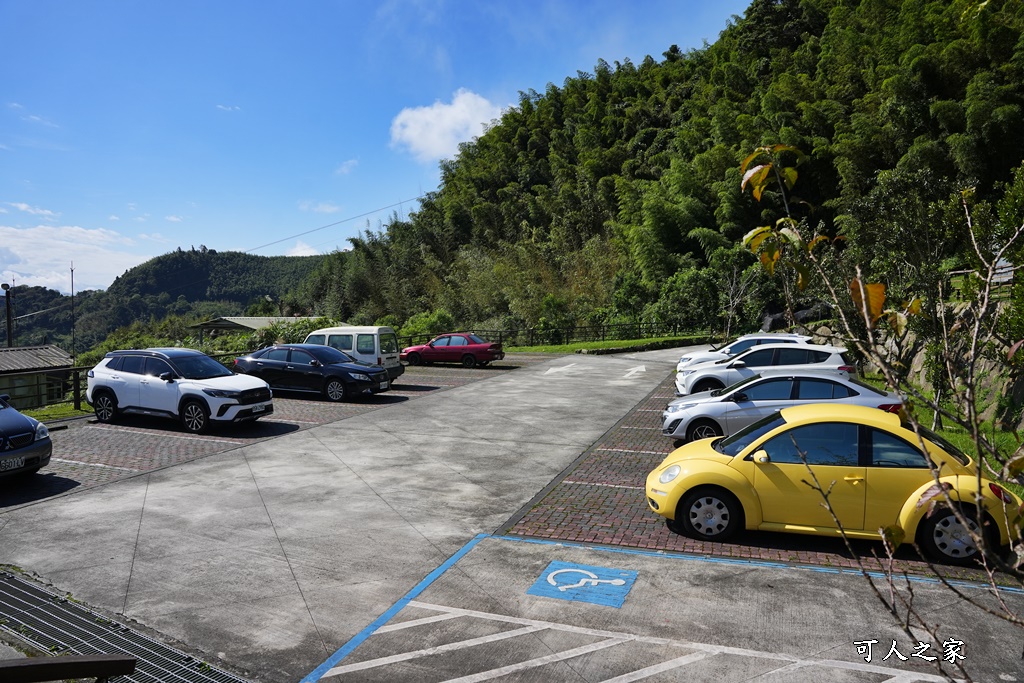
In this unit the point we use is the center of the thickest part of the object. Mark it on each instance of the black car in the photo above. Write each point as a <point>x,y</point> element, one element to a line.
<point>25,444</point>
<point>314,368</point>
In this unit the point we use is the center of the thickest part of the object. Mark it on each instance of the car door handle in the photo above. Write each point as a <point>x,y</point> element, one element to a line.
<point>853,478</point>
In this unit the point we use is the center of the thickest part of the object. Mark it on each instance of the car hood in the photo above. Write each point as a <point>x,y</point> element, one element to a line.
<point>702,397</point>
<point>418,347</point>
<point>13,422</point>
<point>703,357</point>
<point>694,451</point>
<point>229,382</point>
<point>357,366</point>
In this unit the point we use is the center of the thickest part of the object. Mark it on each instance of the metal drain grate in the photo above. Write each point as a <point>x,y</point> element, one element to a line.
<point>59,625</point>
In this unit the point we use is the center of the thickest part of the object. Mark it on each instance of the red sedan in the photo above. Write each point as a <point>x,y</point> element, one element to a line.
<point>465,348</point>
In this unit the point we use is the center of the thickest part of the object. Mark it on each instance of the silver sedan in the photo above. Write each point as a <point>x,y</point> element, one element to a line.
<point>724,411</point>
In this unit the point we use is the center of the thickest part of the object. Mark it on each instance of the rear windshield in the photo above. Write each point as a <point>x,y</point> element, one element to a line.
<point>866,387</point>
<point>388,342</point>
<point>945,445</point>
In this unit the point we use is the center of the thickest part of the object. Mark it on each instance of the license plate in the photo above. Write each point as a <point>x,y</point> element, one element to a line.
<point>383,385</point>
<point>12,464</point>
<point>259,408</point>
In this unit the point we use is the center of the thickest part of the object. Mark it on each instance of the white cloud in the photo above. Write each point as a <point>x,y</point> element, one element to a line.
<point>174,219</point>
<point>154,237</point>
<point>33,210</point>
<point>42,256</point>
<point>113,217</point>
<point>346,167</point>
<point>434,132</point>
<point>319,207</point>
<point>301,249</point>
<point>227,107</point>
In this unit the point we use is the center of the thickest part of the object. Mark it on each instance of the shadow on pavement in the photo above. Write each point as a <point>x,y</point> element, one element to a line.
<point>33,487</point>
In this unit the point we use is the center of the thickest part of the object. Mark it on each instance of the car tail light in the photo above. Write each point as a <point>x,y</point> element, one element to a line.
<point>380,361</point>
<point>1001,493</point>
<point>891,407</point>
<point>848,368</point>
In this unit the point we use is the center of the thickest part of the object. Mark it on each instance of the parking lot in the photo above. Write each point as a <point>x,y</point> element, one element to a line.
<point>406,540</point>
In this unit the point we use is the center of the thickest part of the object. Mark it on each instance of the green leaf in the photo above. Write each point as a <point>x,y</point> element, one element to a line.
<point>752,240</point>
<point>793,237</point>
<point>1014,467</point>
<point>803,276</point>
<point>893,537</point>
<point>934,491</point>
<point>788,175</point>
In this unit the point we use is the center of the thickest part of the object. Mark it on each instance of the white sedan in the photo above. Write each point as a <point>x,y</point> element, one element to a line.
<point>740,345</point>
<point>726,411</point>
<point>795,357</point>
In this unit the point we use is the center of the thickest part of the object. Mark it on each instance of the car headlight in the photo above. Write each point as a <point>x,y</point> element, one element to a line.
<point>41,432</point>
<point>359,376</point>
<point>222,393</point>
<point>684,373</point>
<point>669,474</point>
<point>672,408</point>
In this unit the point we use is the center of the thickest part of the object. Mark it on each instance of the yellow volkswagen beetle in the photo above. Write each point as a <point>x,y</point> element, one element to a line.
<point>879,477</point>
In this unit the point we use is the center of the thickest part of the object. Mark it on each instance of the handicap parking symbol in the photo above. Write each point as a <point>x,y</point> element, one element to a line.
<point>584,583</point>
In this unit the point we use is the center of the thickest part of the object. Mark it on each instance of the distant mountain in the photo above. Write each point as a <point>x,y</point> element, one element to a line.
<point>198,283</point>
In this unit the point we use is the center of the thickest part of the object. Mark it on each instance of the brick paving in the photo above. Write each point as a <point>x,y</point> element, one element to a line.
<point>601,500</point>
<point>87,453</point>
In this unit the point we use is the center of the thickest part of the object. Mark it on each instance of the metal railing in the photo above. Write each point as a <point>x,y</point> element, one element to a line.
<point>532,336</point>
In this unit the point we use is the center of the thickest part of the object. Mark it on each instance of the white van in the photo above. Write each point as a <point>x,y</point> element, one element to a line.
<point>377,345</point>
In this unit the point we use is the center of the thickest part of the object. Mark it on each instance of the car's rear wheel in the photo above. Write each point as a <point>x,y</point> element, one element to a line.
<point>944,538</point>
<point>469,361</point>
<point>104,404</point>
<point>414,359</point>
<point>707,385</point>
<point>703,429</point>
<point>710,514</point>
<point>334,390</point>
<point>195,417</point>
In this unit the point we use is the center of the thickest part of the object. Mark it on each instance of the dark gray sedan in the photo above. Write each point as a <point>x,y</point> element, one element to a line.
<point>314,368</point>
<point>725,411</point>
<point>25,445</point>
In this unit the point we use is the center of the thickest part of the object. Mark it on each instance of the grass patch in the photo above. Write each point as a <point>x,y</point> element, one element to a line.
<point>607,344</point>
<point>58,411</point>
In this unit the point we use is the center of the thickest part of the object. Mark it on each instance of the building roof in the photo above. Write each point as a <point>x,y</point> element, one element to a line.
<point>236,324</point>
<point>25,358</point>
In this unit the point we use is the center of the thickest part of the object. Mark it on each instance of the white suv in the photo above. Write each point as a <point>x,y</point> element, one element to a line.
<point>178,383</point>
<point>719,374</point>
<point>740,345</point>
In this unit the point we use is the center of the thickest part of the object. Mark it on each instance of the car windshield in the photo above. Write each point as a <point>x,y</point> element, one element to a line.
<point>733,445</point>
<point>328,354</point>
<point>200,367</point>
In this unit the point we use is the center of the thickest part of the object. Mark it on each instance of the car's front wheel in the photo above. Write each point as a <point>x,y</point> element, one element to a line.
<point>944,538</point>
<point>334,390</point>
<point>710,514</point>
<point>104,404</point>
<point>414,359</point>
<point>195,418</point>
<point>703,429</point>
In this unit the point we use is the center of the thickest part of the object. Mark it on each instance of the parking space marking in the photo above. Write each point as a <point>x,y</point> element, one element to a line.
<point>162,435</point>
<point>608,486</point>
<point>630,450</point>
<point>92,464</point>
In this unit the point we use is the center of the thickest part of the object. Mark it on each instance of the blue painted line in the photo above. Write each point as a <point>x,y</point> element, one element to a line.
<point>360,637</point>
<point>759,563</point>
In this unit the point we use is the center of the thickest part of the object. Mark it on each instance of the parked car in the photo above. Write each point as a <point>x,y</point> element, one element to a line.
<point>722,373</point>
<point>462,347</point>
<point>740,345</point>
<point>314,368</point>
<point>25,445</point>
<point>873,466</point>
<point>373,344</point>
<point>725,411</point>
<point>179,383</point>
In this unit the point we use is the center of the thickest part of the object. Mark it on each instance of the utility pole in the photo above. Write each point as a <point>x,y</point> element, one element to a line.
<point>7,306</point>
<point>73,313</point>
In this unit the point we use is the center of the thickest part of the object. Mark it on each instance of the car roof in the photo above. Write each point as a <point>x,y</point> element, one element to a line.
<point>841,412</point>
<point>771,335</point>
<point>813,347</point>
<point>156,353</point>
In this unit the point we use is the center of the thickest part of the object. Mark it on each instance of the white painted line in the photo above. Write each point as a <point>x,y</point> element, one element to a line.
<point>649,671</point>
<point>416,622</point>
<point>162,435</point>
<point>416,654</point>
<point>561,368</point>
<point>540,661</point>
<point>609,486</point>
<point>630,450</point>
<point>658,428</point>
<point>93,464</point>
<point>650,410</point>
<point>286,422</point>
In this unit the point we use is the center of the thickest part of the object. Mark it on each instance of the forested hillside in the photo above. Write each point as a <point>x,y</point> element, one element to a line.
<point>616,195</point>
<point>185,286</point>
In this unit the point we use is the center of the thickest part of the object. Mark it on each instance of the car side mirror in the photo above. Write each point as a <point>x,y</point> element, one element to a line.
<point>737,364</point>
<point>315,363</point>
<point>5,397</point>
<point>739,398</point>
<point>430,344</point>
<point>762,458</point>
<point>167,376</point>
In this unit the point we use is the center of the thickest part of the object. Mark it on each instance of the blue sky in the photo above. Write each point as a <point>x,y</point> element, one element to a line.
<point>130,128</point>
